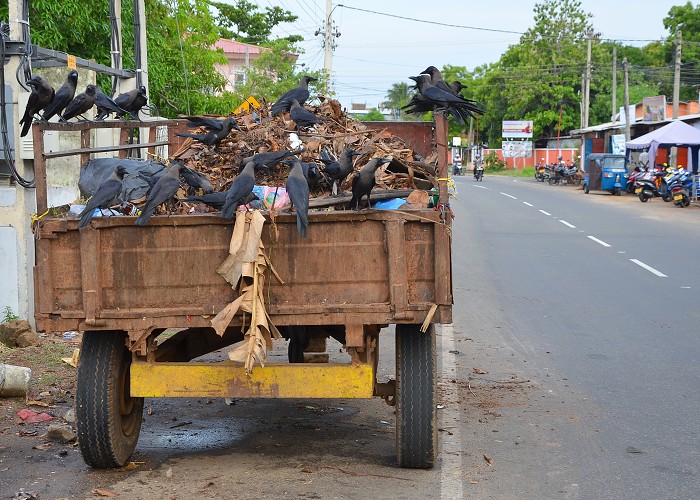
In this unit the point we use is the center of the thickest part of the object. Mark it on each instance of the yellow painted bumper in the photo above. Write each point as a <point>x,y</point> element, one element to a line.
<point>226,380</point>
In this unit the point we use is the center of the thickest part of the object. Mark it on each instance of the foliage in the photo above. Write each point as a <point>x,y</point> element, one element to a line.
<point>397,97</point>
<point>493,162</point>
<point>374,115</point>
<point>184,30</point>
<point>9,315</point>
<point>273,73</point>
<point>244,22</point>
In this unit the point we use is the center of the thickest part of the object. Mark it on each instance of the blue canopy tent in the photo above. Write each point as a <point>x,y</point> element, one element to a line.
<point>677,133</point>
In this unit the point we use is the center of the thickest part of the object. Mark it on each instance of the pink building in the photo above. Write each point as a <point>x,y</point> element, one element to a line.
<point>240,55</point>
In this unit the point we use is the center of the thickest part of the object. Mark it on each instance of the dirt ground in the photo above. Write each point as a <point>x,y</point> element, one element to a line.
<point>205,448</point>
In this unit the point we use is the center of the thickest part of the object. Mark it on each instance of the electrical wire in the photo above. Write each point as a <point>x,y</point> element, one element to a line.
<point>4,134</point>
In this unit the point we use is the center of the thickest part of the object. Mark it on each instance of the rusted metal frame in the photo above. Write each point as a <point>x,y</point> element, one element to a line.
<point>89,125</point>
<point>124,135</point>
<point>86,150</point>
<point>84,147</point>
<point>39,169</point>
<point>43,291</point>
<point>90,276</point>
<point>395,239</point>
<point>441,143</point>
<point>443,263</point>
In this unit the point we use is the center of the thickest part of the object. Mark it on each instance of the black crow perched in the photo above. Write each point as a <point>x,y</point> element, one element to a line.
<point>298,191</point>
<point>162,191</point>
<point>436,79</point>
<point>132,101</point>
<point>218,131</point>
<point>197,180</point>
<point>300,93</point>
<point>105,195</point>
<point>442,100</point>
<point>268,159</point>
<point>457,87</point>
<point>64,95</point>
<point>240,188</point>
<point>302,117</point>
<point>80,104</point>
<point>337,171</point>
<point>106,105</point>
<point>211,123</point>
<point>363,182</point>
<point>41,96</point>
<point>217,200</point>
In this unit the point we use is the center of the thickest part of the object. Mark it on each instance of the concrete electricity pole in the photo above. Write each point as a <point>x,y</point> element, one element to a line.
<point>614,84</point>
<point>328,45</point>
<point>628,128</point>
<point>677,75</point>
<point>588,81</point>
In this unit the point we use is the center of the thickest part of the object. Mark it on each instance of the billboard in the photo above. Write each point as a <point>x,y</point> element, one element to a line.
<point>654,108</point>
<point>517,149</point>
<point>517,129</point>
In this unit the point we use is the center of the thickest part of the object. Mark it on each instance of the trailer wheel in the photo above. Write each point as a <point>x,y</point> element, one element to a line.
<point>416,390</point>
<point>108,419</point>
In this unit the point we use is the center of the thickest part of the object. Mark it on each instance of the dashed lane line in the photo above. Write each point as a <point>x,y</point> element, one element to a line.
<point>567,224</point>
<point>546,213</point>
<point>600,242</point>
<point>649,268</point>
<point>528,204</point>
<point>508,195</point>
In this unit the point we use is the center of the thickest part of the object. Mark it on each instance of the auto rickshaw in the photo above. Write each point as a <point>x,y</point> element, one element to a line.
<point>605,172</point>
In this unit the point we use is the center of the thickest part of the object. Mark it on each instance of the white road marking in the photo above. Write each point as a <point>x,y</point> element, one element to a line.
<point>567,224</point>
<point>528,204</point>
<point>598,241</point>
<point>621,251</point>
<point>546,213</point>
<point>480,187</point>
<point>649,268</point>
<point>508,195</point>
<point>686,287</point>
<point>450,418</point>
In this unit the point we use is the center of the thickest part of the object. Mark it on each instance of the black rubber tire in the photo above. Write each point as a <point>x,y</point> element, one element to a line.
<point>107,418</point>
<point>553,181</point>
<point>586,189</point>
<point>416,393</point>
<point>643,198</point>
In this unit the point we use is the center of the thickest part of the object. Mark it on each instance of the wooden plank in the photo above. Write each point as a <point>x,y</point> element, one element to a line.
<point>90,274</point>
<point>441,143</point>
<point>87,150</point>
<point>398,274</point>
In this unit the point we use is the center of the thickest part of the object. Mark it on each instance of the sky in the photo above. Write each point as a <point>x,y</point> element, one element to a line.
<point>375,51</point>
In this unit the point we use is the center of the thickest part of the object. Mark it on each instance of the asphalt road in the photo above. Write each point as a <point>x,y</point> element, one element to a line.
<point>594,299</point>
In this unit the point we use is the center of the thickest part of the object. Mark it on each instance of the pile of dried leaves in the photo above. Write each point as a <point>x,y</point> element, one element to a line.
<point>262,132</point>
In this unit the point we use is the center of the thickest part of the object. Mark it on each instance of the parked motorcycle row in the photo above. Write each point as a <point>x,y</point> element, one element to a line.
<point>670,184</point>
<point>558,173</point>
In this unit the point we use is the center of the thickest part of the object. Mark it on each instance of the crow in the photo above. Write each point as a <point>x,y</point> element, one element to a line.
<point>162,191</point>
<point>80,104</point>
<point>363,182</point>
<point>216,133</point>
<point>302,117</point>
<point>268,159</point>
<point>240,188</point>
<point>337,171</point>
<point>104,196</point>
<point>106,105</point>
<point>132,101</point>
<point>298,191</point>
<point>442,100</point>
<point>217,200</point>
<point>41,96</point>
<point>64,95</point>
<point>197,180</point>
<point>300,93</point>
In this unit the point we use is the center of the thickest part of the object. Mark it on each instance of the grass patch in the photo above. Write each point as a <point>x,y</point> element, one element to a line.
<point>521,172</point>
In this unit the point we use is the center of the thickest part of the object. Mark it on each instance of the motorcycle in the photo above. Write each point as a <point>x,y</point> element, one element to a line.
<point>565,175</point>
<point>632,179</point>
<point>647,186</point>
<point>680,188</point>
<point>541,171</point>
<point>479,172</point>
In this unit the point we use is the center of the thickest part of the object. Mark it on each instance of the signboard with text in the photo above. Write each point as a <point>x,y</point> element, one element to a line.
<point>521,129</point>
<point>517,149</point>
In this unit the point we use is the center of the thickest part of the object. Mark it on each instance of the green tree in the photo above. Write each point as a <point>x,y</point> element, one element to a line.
<point>374,115</point>
<point>686,19</point>
<point>397,97</point>
<point>243,21</point>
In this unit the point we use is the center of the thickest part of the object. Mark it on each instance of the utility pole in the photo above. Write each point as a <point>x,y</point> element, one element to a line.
<point>588,80</point>
<point>614,84</point>
<point>627,100</point>
<point>328,45</point>
<point>677,75</point>
<point>583,98</point>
